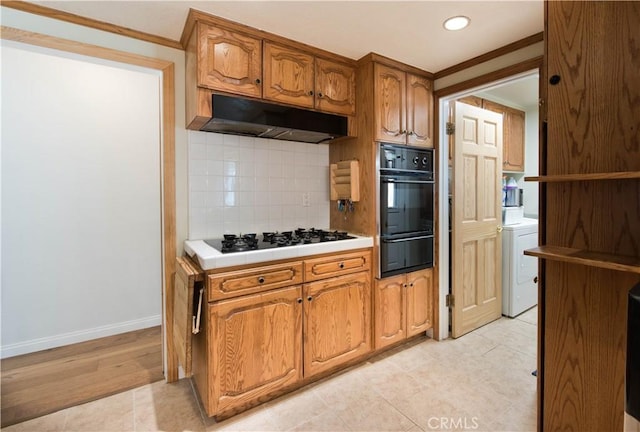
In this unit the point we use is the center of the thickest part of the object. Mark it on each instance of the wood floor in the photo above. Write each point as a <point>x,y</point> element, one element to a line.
<point>47,381</point>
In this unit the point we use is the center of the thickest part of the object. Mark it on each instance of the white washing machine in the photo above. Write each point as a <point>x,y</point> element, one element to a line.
<point>519,271</point>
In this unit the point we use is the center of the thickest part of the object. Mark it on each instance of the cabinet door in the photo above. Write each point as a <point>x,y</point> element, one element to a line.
<point>389,311</point>
<point>419,301</point>
<point>390,102</point>
<point>513,139</point>
<point>419,111</point>
<point>288,76</point>
<point>229,61</point>
<point>255,346</point>
<point>337,321</point>
<point>335,87</point>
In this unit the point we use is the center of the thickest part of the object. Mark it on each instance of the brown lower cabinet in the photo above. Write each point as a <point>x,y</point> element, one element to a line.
<point>403,306</point>
<point>254,347</point>
<point>337,321</point>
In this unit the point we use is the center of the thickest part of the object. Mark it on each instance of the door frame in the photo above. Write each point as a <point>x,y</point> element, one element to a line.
<point>167,153</point>
<point>442,97</point>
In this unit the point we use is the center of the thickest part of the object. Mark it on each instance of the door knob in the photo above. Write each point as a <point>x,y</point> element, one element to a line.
<point>499,228</point>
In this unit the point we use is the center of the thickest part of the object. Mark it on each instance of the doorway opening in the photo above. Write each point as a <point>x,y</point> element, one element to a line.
<point>519,94</point>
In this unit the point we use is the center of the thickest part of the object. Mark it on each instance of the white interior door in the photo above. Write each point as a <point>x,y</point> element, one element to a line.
<point>477,217</point>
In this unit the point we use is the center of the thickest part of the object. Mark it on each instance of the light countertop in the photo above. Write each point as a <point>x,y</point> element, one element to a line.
<point>210,258</point>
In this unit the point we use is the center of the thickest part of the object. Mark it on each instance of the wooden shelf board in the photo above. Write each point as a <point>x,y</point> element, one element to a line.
<point>583,257</point>
<point>622,175</point>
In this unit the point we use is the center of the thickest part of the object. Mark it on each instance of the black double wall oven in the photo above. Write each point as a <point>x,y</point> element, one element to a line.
<point>406,203</point>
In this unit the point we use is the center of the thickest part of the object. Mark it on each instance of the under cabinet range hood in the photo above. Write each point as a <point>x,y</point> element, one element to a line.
<point>239,116</point>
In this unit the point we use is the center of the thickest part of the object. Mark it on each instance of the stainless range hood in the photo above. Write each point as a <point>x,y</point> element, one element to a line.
<point>239,116</point>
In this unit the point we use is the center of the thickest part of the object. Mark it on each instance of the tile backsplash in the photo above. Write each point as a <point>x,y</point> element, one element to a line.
<point>251,185</point>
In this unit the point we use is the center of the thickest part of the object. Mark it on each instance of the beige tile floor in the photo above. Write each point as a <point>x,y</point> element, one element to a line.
<point>479,382</point>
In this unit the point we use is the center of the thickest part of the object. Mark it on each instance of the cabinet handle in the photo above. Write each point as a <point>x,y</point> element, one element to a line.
<point>257,80</point>
<point>309,298</point>
<point>535,279</point>
<point>310,92</point>
<point>261,279</point>
<point>299,300</point>
<point>341,265</point>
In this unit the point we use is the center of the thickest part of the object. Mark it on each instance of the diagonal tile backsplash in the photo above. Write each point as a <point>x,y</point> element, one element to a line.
<point>242,184</point>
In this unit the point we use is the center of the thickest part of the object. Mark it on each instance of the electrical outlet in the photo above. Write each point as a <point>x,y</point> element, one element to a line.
<point>305,199</point>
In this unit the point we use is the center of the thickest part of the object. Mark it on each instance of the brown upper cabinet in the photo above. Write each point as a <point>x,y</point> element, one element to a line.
<point>299,78</point>
<point>404,107</point>
<point>229,61</point>
<point>288,75</point>
<point>335,87</point>
<point>223,56</point>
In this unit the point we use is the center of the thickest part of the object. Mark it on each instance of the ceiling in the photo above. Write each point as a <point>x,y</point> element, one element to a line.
<point>408,31</point>
<point>519,93</point>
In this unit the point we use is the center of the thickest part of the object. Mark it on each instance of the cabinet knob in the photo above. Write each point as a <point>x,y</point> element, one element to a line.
<point>535,279</point>
<point>411,284</point>
<point>410,133</point>
<point>555,79</point>
<point>261,279</point>
<point>257,80</point>
<point>310,92</point>
<point>309,298</point>
<point>341,265</point>
<point>299,300</point>
<point>320,94</point>
<point>404,285</point>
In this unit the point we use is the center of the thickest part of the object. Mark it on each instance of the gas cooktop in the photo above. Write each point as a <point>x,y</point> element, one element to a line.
<point>248,242</point>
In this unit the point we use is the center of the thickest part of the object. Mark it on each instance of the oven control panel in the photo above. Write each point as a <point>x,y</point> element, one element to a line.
<point>403,158</point>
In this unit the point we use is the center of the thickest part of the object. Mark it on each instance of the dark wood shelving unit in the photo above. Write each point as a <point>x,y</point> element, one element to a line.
<point>587,258</point>
<point>625,175</point>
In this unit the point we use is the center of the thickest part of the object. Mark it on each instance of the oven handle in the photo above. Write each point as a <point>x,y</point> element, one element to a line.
<point>407,239</point>
<point>393,180</point>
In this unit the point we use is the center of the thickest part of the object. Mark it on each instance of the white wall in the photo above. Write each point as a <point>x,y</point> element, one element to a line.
<point>242,184</point>
<point>49,26</point>
<point>81,223</point>
<point>52,27</point>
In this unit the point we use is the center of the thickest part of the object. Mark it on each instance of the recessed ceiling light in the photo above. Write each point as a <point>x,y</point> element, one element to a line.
<point>456,23</point>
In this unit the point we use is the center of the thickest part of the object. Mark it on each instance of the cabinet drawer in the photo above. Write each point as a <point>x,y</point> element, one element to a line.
<point>257,279</point>
<point>336,265</point>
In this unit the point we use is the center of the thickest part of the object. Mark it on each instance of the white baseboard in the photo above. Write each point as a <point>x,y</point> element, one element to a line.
<point>40,344</point>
